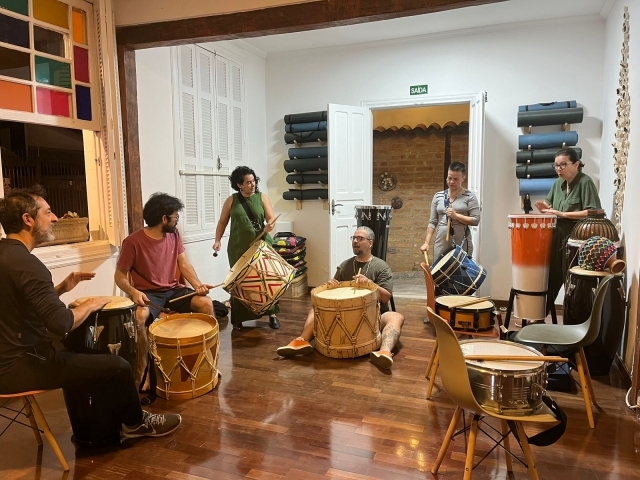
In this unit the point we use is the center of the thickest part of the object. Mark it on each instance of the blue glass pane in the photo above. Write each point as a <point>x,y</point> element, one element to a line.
<point>14,31</point>
<point>83,102</point>
<point>53,72</point>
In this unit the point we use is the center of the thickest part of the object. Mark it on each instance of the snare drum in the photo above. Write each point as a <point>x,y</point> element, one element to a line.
<point>346,319</point>
<point>109,330</point>
<point>455,273</point>
<point>185,350</point>
<point>531,237</point>
<point>477,317</point>
<point>259,278</point>
<point>505,387</point>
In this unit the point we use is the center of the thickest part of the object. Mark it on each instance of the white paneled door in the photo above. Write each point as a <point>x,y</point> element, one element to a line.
<point>476,159</point>
<point>350,134</point>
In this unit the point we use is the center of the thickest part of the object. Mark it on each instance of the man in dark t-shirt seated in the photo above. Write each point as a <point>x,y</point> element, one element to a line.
<point>364,267</point>
<point>146,271</point>
<point>32,310</point>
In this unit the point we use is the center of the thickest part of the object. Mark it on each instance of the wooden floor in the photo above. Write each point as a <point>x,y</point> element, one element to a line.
<point>314,417</point>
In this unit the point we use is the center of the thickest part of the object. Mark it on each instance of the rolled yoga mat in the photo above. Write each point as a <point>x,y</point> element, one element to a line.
<point>306,164</point>
<point>308,152</point>
<point>541,156</point>
<point>308,178</point>
<point>536,170</point>
<point>305,117</point>
<point>548,106</point>
<point>547,140</point>
<point>535,186</point>
<point>312,194</point>
<point>305,137</point>
<point>305,127</point>
<point>540,118</point>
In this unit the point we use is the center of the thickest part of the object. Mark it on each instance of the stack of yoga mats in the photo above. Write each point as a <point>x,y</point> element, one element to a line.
<point>307,165</point>
<point>535,160</point>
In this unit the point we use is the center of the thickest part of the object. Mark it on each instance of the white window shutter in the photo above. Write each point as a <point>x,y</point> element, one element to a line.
<point>223,106</point>
<point>237,116</point>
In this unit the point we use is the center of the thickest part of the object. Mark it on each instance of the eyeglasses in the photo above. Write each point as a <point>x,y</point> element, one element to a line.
<point>359,238</point>
<point>561,166</point>
<point>176,216</point>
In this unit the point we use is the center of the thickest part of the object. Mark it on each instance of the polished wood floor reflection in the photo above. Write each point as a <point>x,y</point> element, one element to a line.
<point>313,417</point>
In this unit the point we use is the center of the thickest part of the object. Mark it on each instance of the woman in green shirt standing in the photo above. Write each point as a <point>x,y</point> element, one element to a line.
<point>570,198</point>
<point>243,232</point>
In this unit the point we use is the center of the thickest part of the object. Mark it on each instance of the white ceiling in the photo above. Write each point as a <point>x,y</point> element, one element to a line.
<point>482,16</point>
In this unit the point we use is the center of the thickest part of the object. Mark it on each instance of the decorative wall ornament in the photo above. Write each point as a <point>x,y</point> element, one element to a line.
<point>621,145</point>
<point>387,181</point>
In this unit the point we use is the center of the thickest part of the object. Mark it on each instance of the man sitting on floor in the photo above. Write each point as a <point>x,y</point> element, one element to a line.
<point>146,271</point>
<point>361,268</point>
<point>32,310</point>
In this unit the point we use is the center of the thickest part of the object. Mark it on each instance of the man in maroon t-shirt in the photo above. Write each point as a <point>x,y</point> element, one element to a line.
<point>146,270</point>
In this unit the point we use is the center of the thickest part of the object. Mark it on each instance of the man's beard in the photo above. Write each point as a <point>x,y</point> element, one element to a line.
<point>42,236</point>
<point>169,229</point>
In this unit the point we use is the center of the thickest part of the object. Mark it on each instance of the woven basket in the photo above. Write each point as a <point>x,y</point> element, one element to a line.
<point>298,287</point>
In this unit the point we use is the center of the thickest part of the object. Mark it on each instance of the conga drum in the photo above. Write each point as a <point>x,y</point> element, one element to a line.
<point>378,219</point>
<point>531,237</point>
<point>185,349</point>
<point>259,278</point>
<point>505,387</point>
<point>472,318</point>
<point>346,319</point>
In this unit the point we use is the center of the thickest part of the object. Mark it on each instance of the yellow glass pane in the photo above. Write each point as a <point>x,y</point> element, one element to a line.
<point>79,28</point>
<point>51,11</point>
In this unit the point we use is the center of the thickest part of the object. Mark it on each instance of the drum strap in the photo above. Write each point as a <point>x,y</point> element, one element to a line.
<point>252,218</point>
<point>550,435</point>
<point>467,231</point>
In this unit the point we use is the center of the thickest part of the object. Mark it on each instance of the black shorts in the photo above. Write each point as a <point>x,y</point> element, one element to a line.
<point>163,298</point>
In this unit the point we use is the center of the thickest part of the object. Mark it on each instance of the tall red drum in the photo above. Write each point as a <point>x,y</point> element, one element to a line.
<point>531,237</point>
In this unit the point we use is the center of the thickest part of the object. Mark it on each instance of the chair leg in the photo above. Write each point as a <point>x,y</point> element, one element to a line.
<point>471,447</point>
<point>47,431</point>
<point>432,377</point>
<point>505,432</point>
<point>585,389</point>
<point>447,440</point>
<point>431,359</point>
<point>526,449</point>
<point>585,365</point>
<point>32,420</point>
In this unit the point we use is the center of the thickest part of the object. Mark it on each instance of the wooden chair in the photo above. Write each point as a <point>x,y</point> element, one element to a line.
<point>455,379</point>
<point>576,337</point>
<point>31,410</point>
<point>434,359</point>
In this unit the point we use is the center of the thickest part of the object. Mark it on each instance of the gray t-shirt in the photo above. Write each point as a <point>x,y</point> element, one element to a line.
<point>375,270</point>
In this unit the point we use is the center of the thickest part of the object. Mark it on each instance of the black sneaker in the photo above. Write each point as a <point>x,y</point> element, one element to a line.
<point>153,425</point>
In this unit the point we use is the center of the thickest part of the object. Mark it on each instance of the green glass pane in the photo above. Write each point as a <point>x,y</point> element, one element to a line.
<point>18,6</point>
<point>48,41</point>
<point>53,72</point>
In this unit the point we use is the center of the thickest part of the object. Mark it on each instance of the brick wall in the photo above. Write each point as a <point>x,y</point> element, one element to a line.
<point>417,159</point>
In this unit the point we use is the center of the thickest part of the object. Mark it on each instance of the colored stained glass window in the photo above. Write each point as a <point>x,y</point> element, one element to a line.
<point>83,102</point>
<point>15,64</point>
<point>48,41</point>
<point>78,19</point>
<point>18,6</point>
<point>53,72</point>
<point>15,96</point>
<point>51,11</point>
<point>81,64</point>
<point>14,31</point>
<point>52,102</point>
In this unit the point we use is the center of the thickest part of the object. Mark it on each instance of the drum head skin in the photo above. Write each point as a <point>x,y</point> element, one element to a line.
<point>452,301</point>
<point>183,327</point>
<point>500,347</point>
<point>342,293</point>
<point>116,303</point>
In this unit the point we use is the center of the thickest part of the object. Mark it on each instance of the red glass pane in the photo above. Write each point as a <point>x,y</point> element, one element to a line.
<point>81,64</point>
<point>51,102</point>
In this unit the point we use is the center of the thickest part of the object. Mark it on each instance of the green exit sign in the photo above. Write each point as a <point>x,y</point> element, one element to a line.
<point>418,89</point>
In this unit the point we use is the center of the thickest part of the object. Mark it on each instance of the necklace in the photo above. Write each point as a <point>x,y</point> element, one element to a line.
<point>355,269</point>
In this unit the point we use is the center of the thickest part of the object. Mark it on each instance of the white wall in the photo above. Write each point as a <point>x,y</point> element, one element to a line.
<point>630,224</point>
<point>155,118</point>
<point>531,63</point>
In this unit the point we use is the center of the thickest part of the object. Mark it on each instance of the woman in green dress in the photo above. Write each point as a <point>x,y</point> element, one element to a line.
<point>243,233</point>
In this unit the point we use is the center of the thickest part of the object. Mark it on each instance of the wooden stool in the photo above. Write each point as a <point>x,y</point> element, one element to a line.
<point>32,409</point>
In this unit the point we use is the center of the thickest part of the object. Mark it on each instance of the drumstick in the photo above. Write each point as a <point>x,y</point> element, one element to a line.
<point>471,302</point>
<point>448,228</point>
<point>162,309</point>
<point>264,230</point>
<point>426,258</point>
<point>192,294</point>
<point>516,358</point>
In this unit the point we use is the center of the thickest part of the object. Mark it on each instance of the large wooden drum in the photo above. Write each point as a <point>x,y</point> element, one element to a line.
<point>346,319</point>
<point>185,349</point>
